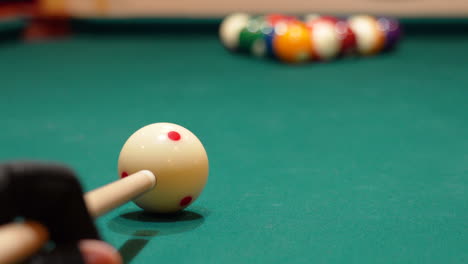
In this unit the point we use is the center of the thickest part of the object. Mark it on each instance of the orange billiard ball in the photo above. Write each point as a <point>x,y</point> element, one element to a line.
<point>292,41</point>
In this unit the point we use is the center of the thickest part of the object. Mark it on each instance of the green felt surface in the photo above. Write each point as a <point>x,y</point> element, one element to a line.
<point>355,161</point>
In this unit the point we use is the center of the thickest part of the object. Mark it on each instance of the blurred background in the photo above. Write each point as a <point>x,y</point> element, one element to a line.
<point>214,8</point>
<point>38,19</point>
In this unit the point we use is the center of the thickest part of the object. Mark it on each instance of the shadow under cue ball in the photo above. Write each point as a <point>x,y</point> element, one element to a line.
<point>175,156</point>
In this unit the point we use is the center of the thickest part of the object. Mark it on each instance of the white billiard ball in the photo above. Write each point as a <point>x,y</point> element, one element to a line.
<point>175,156</point>
<point>231,28</point>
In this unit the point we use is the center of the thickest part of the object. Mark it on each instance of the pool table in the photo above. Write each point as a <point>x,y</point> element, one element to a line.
<point>360,160</point>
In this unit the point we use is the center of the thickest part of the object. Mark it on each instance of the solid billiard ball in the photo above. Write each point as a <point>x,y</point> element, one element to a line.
<point>274,19</point>
<point>392,30</point>
<point>231,28</point>
<point>269,31</point>
<point>175,156</point>
<point>292,42</point>
<point>253,36</point>
<point>324,36</point>
<point>369,37</point>
<point>257,36</point>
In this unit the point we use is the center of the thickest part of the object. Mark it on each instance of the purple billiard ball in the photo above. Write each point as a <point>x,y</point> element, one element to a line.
<point>392,29</point>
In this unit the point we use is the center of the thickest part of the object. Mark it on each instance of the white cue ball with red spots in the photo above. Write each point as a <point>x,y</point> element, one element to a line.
<point>175,156</point>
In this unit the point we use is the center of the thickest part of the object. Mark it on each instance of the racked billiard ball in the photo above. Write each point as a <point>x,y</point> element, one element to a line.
<point>324,36</point>
<point>230,29</point>
<point>253,37</point>
<point>370,39</point>
<point>257,36</point>
<point>292,42</point>
<point>269,35</point>
<point>347,37</point>
<point>392,30</point>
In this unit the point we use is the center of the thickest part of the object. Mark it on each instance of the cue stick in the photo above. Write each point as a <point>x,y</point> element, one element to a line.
<point>20,240</point>
<point>110,196</point>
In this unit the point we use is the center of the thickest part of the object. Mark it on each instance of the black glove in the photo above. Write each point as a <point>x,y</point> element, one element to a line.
<point>51,195</point>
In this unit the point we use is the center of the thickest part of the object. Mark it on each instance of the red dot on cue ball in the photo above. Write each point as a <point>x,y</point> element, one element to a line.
<point>124,174</point>
<point>173,136</point>
<point>185,201</point>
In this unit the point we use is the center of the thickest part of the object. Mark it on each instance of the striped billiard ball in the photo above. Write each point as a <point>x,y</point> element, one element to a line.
<point>370,39</point>
<point>325,38</point>
<point>347,37</point>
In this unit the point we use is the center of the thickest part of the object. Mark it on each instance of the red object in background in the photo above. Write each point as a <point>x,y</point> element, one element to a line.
<point>273,19</point>
<point>330,19</point>
<point>40,25</point>
<point>41,28</point>
<point>16,9</point>
<point>43,25</point>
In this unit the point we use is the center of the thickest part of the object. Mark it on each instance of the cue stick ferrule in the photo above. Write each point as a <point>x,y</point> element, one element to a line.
<point>110,196</point>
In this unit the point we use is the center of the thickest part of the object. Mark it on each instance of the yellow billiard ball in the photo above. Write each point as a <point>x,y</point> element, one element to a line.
<point>175,156</point>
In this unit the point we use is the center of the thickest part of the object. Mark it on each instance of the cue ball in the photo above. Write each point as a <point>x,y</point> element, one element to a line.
<point>175,156</point>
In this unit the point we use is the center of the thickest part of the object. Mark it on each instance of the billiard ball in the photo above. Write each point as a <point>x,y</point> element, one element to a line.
<point>231,28</point>
<point>272,21</point>
<point>291,42</point>
<point>175,156</point>
<point>257,36</point>
<point>324,36</point>
<point>347,37</point>
<point>253,36</point>
<point>369,37</point>
<point>392,30</point>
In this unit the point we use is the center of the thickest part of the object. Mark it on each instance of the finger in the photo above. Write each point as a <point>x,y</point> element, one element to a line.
<point>99,252</point>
